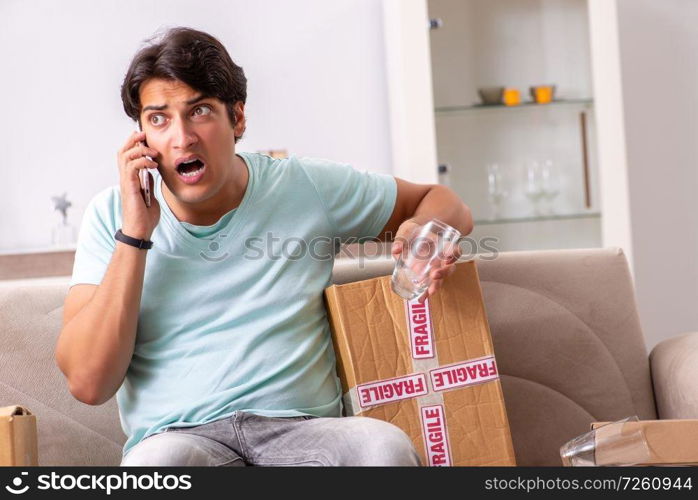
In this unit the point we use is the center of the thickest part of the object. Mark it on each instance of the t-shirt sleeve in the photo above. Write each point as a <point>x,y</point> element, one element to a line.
<point>96,238</point>
<point>358,204</point>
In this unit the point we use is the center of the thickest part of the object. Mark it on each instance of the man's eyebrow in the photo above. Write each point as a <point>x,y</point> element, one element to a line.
<point>194,100</point>
<point>156,108</point>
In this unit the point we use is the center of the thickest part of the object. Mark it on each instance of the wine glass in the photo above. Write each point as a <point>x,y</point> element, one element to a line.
<point>535,190</point>
<point>495,189</point>
<point>551,183</point>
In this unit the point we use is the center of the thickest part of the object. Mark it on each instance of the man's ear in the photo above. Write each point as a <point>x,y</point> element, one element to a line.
<point>240,119</point>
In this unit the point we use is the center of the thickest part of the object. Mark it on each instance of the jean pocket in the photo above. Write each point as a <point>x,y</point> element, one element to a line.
<point>184,428</point>
<point>287,419</point>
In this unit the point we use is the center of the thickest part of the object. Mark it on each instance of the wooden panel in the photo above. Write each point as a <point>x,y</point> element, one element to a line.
<point>36,265</point>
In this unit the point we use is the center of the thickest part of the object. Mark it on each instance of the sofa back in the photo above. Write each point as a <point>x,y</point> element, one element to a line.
<point>564,324</point>
<point>568,341</point>
<point>70,432</point>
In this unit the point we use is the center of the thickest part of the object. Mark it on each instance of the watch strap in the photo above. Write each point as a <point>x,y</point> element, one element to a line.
<point>134,242</point>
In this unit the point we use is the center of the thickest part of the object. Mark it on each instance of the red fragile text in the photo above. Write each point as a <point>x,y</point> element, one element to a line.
<point>395,389</point>
<point>419,320</point>
<point>462,374</point>
<point>435,436</point>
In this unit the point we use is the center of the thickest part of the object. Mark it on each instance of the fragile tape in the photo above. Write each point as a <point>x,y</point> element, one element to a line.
<point>420,328</point>
<point>435,435</point>
<point>426,383</point>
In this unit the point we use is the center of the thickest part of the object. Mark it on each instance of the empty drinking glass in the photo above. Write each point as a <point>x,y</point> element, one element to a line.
<point>620,443</point>
<point>426,248</point>
<point>495,189</point>
<point>535,190</point>
<point>551,184</point>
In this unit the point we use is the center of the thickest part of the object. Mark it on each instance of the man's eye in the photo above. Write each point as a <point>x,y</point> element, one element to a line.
<point>156,119</point>
<point>202,110</point>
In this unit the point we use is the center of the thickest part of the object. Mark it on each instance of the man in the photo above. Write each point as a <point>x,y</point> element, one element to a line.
<point>219,353</point>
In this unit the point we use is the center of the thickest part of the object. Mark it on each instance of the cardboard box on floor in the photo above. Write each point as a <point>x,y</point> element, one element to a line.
<point>429,370</point>
<point>670,442</point>
<point>18,444</point>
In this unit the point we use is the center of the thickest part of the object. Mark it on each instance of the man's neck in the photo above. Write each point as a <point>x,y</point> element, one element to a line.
<point>209,212</point>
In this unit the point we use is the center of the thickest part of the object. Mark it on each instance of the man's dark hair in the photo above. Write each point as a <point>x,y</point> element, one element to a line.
<point>190,56</point>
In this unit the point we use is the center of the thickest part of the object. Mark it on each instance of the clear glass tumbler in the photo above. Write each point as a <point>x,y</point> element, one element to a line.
<point>426,248</point>
<point>621,443</point>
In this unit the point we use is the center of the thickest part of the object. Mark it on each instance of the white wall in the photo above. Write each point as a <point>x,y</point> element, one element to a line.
<point>411,102</point>
<point>658,47</point>
<point>608,96</point>
<point>316,86</point>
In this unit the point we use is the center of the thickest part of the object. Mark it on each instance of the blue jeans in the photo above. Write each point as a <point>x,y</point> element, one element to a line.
<point>248,439</point>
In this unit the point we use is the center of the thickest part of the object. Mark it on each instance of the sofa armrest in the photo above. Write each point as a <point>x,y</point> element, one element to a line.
<point>674,364</point>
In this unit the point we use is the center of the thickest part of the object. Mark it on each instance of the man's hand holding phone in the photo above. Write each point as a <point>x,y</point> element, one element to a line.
<point>139,220</point>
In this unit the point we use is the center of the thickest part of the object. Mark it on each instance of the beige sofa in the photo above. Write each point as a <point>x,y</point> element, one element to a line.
<point>566,332</point>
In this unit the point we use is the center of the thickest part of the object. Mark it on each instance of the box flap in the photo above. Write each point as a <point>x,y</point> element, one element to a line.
<point>10,411</point>
<point>669,441</point>
<point>18,437</point>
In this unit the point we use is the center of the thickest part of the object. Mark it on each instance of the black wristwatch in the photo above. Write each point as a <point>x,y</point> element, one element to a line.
<point>134,242</point>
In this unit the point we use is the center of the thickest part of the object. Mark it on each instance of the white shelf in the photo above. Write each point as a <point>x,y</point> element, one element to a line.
<point>33,250</point>
<point>538,218</point>
<point>481,108</point>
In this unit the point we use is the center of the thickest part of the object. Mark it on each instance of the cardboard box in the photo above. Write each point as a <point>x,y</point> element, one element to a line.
<point>18,443</point>
<point>428,369</point>
<point>670,442</point>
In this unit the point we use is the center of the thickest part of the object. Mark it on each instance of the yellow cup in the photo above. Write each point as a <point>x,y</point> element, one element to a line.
<point>511,97</point>
<point>543,94</point>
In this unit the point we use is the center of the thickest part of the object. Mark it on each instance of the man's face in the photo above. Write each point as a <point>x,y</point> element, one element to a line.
<point>182,125</point>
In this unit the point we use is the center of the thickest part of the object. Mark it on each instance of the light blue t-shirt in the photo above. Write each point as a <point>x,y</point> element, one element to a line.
<point>232,315</point>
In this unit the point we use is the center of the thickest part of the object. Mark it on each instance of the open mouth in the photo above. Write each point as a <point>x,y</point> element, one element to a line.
<point>190,169</point>
<point>190,172</point>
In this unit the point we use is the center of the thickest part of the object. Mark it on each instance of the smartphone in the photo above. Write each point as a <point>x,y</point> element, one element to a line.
<point>144,177</point>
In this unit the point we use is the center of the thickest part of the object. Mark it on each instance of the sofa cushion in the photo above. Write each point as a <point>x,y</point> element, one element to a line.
<point>69,432</point>
<point>569,345</point>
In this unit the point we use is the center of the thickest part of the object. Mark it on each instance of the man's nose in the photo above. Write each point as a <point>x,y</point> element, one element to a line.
<point>184,137</point>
